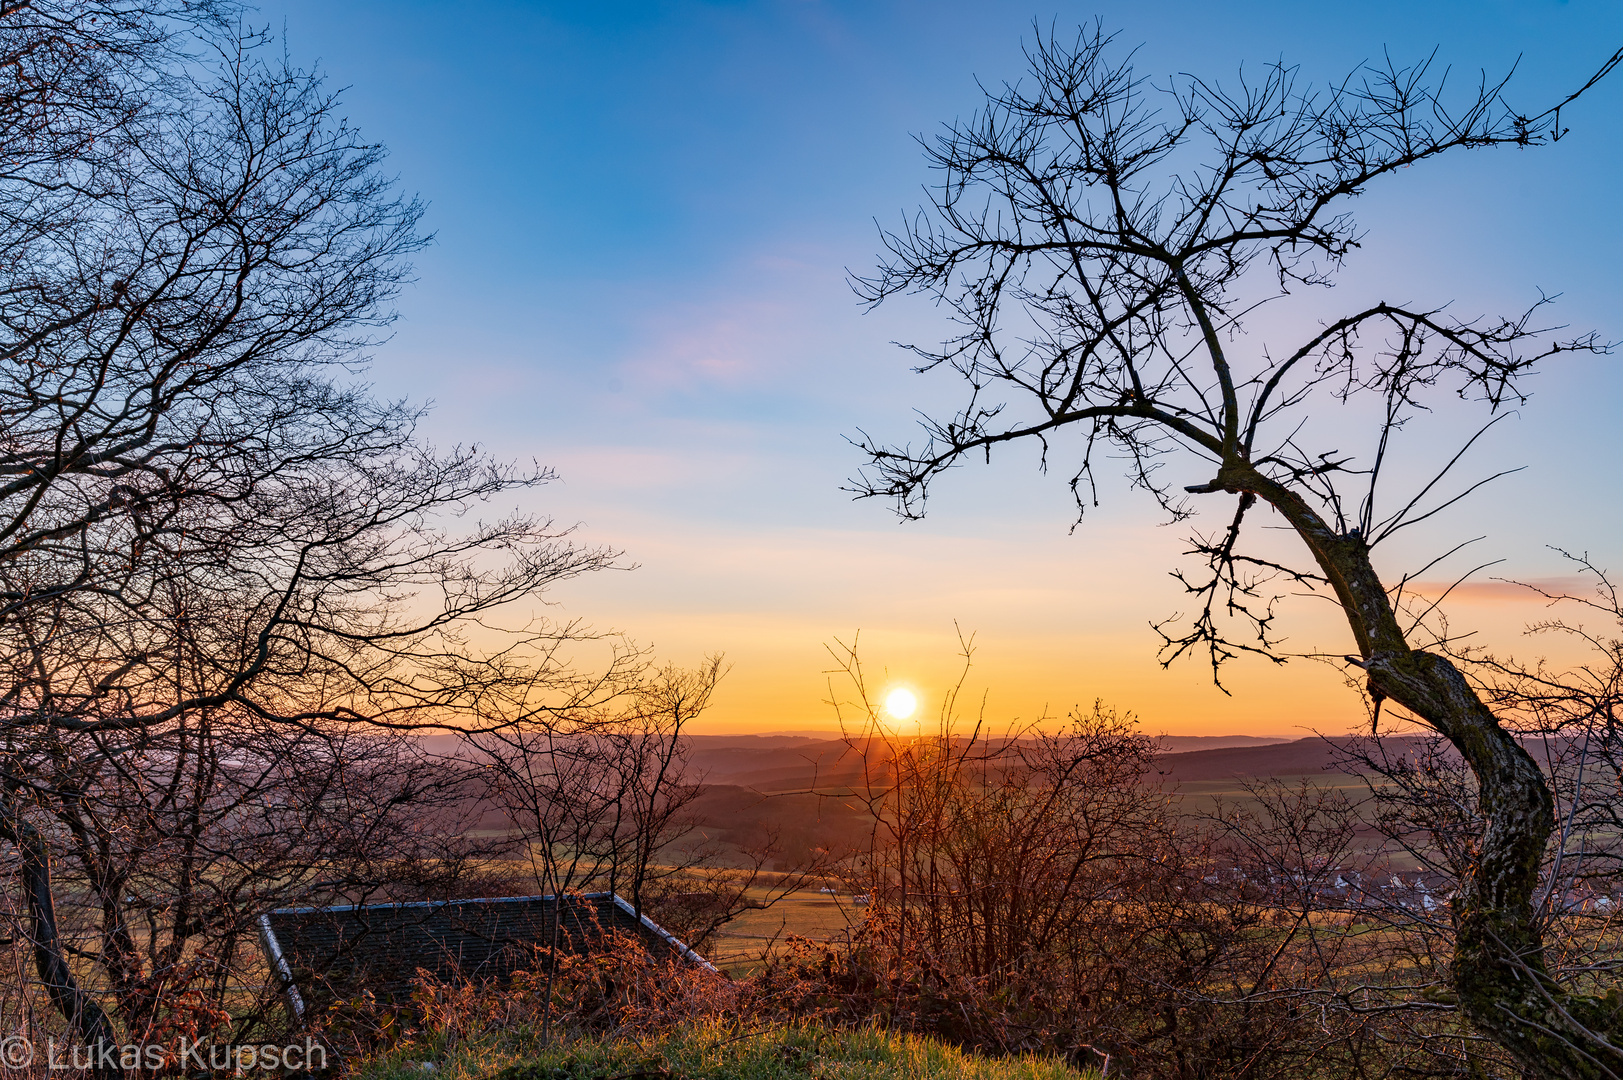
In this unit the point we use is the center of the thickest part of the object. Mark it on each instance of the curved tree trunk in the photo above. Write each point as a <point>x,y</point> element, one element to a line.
<point>1499,973</point>
<point>87,1019</point>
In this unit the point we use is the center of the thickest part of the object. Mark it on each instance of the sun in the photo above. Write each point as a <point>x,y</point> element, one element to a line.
<point>901,703</point>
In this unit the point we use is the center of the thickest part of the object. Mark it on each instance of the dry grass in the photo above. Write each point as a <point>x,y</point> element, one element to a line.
<point>711,1049</point>
<point>627,1015</point>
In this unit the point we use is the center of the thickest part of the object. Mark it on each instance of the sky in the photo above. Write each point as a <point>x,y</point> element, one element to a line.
<point>644,218</point>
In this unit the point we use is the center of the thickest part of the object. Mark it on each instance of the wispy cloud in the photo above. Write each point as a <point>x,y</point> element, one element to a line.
<point>1496,592</point>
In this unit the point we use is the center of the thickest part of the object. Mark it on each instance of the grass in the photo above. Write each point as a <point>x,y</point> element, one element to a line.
<point>711,1051</point>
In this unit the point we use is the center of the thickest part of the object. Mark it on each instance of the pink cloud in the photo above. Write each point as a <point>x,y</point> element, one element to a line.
<point>1495,592</point>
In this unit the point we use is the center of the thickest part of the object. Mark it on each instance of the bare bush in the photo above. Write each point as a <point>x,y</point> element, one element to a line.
<point>603,799</point>
<point>1040,890</point>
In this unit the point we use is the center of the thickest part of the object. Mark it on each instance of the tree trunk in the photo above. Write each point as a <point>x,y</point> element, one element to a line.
<point>1499,975</point>
<point>85,1017</point>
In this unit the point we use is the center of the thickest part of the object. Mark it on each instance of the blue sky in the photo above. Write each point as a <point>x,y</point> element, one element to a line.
<point>644,215</point>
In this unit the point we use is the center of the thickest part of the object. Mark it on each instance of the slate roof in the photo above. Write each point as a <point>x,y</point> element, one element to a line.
<point>323,954</point>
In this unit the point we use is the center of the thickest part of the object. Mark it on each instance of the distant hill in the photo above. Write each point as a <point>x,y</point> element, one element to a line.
<point>787,763</point>
<point>778,764</point>
<point>795,793</point>
<point>793,764</point>
<point>781,738</point>
<point>1302,757</point>
<point>1179,744</point>
<point>786,788</point>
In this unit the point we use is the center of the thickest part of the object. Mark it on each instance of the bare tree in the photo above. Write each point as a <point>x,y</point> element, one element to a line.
<point>168,848</point>
<point>604,798</point>
<point>1100,243</point>
<point>217,549</point>
<point>596,792</point>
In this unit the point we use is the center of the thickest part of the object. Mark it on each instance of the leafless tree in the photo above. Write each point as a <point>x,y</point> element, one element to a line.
<point>1567,716</point>
<point>217,549</point>
<point>1101,243</point>
<point>167,849</point>
<point>1571,714</point>
<point>604,798</point>
<point>596,793</point>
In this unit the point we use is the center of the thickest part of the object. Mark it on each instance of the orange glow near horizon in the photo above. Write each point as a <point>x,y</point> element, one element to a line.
<point>780,678</point>
<point>1062,626</point>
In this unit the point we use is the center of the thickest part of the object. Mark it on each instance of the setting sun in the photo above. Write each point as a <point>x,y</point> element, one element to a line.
<point>901,703</point>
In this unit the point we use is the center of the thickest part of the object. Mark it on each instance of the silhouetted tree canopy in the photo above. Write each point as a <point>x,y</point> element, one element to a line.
<point>1100,242</point>
<point>218,549</point>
